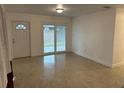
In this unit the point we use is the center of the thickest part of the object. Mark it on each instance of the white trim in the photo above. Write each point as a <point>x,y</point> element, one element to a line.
<point>117,64</point>
<point>99,62</point>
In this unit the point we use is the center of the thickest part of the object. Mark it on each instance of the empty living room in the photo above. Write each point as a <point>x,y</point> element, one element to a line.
<point>61,45</point>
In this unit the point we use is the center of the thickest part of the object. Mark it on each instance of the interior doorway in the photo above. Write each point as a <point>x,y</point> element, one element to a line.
<point>54,38</point>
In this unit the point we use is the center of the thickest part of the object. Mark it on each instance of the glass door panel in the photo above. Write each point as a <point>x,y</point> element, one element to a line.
<point>60,38</point>
<point>49,38</point>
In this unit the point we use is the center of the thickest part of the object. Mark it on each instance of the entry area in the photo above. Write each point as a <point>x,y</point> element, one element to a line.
<point>54,38</point>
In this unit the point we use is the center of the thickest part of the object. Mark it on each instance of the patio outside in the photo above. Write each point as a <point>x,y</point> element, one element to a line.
<point>49,38</point>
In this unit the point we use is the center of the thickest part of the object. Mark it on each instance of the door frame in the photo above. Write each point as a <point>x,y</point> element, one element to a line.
<point>55,24</point>
<point>12,22</point>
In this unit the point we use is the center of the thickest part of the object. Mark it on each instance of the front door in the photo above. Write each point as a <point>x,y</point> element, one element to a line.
<point>21,42</point>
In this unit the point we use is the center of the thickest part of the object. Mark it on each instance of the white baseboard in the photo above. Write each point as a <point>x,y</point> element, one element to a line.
<point>117,64</point>
<point>99,62</point>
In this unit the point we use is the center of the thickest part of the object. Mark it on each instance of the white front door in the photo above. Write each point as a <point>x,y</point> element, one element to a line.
<point>21,40</point>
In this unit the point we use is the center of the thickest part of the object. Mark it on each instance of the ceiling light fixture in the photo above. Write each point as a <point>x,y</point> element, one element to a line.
<point>59,10</point>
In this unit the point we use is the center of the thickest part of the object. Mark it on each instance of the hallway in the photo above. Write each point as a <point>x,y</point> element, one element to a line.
<point>65,70</point>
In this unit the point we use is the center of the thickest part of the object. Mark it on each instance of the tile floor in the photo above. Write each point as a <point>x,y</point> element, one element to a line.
<point>66,70</point>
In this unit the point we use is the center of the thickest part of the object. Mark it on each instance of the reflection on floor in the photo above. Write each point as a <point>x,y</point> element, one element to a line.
<point>65,70</point>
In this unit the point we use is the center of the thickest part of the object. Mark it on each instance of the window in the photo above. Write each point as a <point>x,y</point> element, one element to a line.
<point>21,27</point>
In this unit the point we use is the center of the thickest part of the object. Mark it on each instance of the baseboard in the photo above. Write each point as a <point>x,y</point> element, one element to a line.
<point>99,62</point>
<point>117,64</point>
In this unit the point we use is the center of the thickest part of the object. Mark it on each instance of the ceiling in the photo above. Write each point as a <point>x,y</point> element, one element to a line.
<point>70,10</point>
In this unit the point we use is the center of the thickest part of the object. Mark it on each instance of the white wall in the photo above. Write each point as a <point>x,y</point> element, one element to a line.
<point>36,22</point>
<point>92,36</point>
<point>97,36</point>
<point>4,61</point>
<point>118,54</point>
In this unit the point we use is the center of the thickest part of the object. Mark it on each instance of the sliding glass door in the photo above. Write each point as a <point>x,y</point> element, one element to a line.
<point>49,44</point>
<point>54,38</point>
<point>60,38</point>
